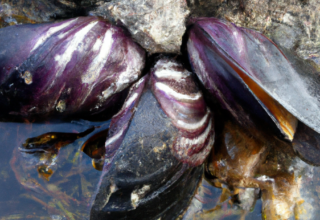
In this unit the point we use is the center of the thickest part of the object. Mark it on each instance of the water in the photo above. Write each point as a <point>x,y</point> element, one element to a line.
<point>29,191</point>
<point>26,194</point>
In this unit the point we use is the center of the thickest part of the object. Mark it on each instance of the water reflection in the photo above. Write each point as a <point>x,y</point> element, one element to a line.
<point>248,177</point>
<point>46,183</point>
<point>212,203</point>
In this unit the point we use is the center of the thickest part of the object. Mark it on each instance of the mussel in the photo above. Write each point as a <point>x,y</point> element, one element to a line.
<point>251,77</point>
<point>75,66</point>
<point>156,143</point>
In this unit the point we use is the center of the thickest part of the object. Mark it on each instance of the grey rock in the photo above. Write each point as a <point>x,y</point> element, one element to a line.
<point>22,11</point>
<point>204,8</point>
<point>287,37</point>
<point>292,24</point>
<point>39,11</point>
<point>157,25</point>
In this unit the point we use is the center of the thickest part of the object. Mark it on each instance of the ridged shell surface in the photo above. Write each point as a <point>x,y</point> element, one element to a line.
<point>224,56</point>
<point>68,67</point>
<point>181,99</point>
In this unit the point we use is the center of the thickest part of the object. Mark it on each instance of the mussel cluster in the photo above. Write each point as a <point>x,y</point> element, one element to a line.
<point>168,116</point>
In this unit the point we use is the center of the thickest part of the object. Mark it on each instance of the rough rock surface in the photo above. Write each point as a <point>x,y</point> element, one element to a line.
<point>158,25</point>
<point>293,24</point>
<point>14,12</point>
<point>17,12</point>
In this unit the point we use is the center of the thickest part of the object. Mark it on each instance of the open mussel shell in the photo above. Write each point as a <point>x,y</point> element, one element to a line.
<point>146,175</point>
<point>75,66</point>
<point>251,77</point>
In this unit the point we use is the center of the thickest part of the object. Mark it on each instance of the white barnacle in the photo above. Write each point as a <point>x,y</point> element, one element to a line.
<point>27,76</point>
<point>138,194</point>
<point>61,106</point>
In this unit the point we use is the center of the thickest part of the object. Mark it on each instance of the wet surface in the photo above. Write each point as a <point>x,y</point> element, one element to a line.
<point>250,178</point>
<point>206,205</point>
<point>45,185</point>
<point>60,184</point>
<point>256,178</point>
<point>218,203</point>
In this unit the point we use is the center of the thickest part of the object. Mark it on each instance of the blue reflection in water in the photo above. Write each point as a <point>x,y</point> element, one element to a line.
<point>24,193</point>
<point>66,194</point>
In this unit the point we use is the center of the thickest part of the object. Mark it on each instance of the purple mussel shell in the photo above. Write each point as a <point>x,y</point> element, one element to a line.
<point>155,147</point>
<point>76,66</point>
<point>251,77</point>
<point>182,102</point>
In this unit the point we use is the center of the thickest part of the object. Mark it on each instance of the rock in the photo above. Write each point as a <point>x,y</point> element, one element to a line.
<point>157,25</point>
<point>204,8</point>
<point>18,12</point>
<point>291,24</point>
<point>39,11</point>
<point>286,36</point>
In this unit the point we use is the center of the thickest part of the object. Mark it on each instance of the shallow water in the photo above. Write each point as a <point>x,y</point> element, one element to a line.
<point>28,193</point>
<point>25,194</point>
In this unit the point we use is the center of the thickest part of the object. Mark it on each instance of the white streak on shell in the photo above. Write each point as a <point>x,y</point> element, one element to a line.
<point>131,73</point>
<point>193,126</point>
<point>197,140</point>
<point>50,32</point>
<point>63,59</point>
<point>184,104</point>
<point>165,70</point>
<point>169,74</point>
<point>115,137</point>
<point>179,96</point>
<point>118,126</point>
<point>196,58</point>
<point>108,92</point>
<point>97,45</point>
<point>99,61</point>
<point>131,100</point>
<point>137,84</point>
